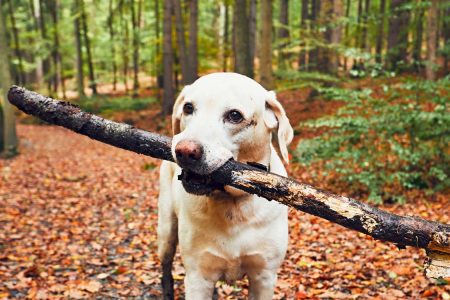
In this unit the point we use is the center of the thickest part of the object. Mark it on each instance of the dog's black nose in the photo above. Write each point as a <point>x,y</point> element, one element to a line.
<point>188,151</point>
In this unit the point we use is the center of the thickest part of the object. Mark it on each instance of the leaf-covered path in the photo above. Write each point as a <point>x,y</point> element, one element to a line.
<point>78,220</point>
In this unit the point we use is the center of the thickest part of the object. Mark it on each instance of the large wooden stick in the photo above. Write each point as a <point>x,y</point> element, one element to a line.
<point>381,225</point>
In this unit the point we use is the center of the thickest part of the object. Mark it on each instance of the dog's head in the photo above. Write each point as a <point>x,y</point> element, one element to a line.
<point>227,115</point>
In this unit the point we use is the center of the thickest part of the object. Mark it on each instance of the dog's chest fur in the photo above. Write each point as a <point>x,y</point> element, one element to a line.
<point>227,235</point>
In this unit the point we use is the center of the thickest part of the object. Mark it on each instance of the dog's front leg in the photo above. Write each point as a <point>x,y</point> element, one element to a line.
<point>197,287</point>
<point>262,285</point>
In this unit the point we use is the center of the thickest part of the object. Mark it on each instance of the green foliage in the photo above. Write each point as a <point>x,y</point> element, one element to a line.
<point>105,105</point>
<point>291,79</point>
<point>386,142</point>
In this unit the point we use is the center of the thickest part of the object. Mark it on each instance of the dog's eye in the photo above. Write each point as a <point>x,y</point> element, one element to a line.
<point>188,108</point>
<point>235,117</point>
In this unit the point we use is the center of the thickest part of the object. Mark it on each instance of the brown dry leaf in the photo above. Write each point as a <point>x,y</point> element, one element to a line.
<point>103,275</point>
<point>42,294</point>
<point>334,295</point>
<point>92,286</point>
<point>75,294</point>
<point>58,288</point>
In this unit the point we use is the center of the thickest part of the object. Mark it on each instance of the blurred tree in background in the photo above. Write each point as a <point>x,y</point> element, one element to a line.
<point>8,137</point>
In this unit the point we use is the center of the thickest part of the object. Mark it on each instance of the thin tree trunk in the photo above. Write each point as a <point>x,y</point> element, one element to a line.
<point>417,50</point>
<point>314,18</point>
<point>112,42</point>
<point>135,22</point>
<point>181,42</point>
<point>8,135</point>
<point>176,62</point>
<point>54,51</point>
<point>17,50</point>
<point>304,32</point>
<point>87,44</point>
<point>265,68</point>
<point>125,44</point>
<point>226,37</point>
<point>364,38</point>
<point>159,69</point>
<point>193,40</point>
<point>359,34</point>
<point>430,67</point>
<point>359,23</point>
<point>335,36</point>
<point>283,33</point>
<point>43,28</point>
<point>242,59</point>
<point>79,56</point>
<point>252,33</point>
<point>38,60</point>
<point>398,34</point>
<point>347,25</point>
<point>446,32</point>
<point>330,11</point>
<point>57,59</point>
<point>380,35</point>
<point>168,93</point>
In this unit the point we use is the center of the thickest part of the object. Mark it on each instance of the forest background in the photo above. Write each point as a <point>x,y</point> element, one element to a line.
<point>365,84</point>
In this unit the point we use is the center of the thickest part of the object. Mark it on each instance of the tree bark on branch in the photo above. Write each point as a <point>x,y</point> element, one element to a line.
<point>404,231</point>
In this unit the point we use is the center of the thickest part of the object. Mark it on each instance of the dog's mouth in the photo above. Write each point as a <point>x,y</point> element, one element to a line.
<point>198,184</point>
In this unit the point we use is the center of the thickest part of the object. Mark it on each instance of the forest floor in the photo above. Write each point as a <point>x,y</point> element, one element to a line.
<point>79,219</point>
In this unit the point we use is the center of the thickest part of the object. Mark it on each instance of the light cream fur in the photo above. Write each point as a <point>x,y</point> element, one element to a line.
<point>227,234</point>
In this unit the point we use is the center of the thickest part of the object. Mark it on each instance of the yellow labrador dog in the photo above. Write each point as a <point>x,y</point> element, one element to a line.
<point>223,234</point>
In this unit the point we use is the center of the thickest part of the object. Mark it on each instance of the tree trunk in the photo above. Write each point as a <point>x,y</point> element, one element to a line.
<point>226,37</point>
<point>314,19</point>
<point>20,75</point>
<point>380,35</point>
<point>54,51</point>
<point>252,34</point>
<point>430,67</point>
<point>168,93</point>
<point>446,32</point>
<point>181,42</point>
<point>112,42</point>
<point>79,58</point>
<point>331,12</point>
<point>58,76</point>
<point>346,35</point>
<point>159,69</point>
<point>283,34</point>
<point>417,50</point>
<point>136,23</point>
<point>365,26</point>
<point>43,29</point>
<point>434,237</point>
<point>398,34</point>
<point>335,36</point>
<point>193,40</point>
<point>359,34</point>
<point>125,45</point>
<point>265,68</point>
<point>242,59</point>
<point>87,44</point>
<point>8,136</point>
<point>38,60</point>
<point>304,32</point>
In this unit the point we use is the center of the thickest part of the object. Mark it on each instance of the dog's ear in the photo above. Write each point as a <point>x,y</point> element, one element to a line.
<point>177,111</point>
<point>275,118</point>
